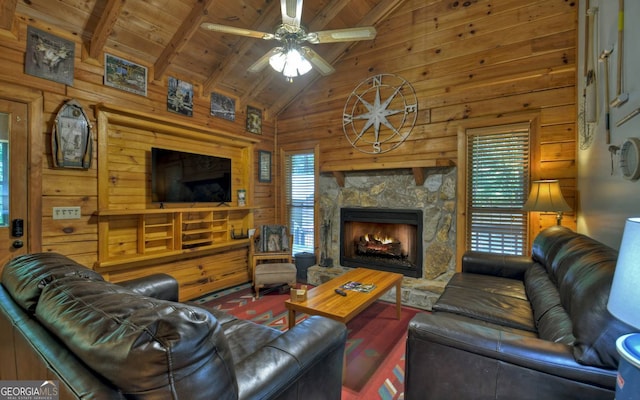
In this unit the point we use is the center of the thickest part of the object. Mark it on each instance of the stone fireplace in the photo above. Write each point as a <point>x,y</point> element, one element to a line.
<point>394,189</point>
<point>386,239</point>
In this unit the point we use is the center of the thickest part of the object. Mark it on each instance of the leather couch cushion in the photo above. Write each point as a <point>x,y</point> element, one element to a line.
<point>26,275</point>
<point>547,244</point>
<point>490,284</point>
<point>551,319</point>
<point>245,338</point>
<point>584,270</point>
<point>499,305</point>
<point>149,348</point>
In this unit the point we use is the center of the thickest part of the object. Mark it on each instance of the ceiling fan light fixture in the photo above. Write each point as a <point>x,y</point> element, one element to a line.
<point>278,60</point>
<point>290,62</point>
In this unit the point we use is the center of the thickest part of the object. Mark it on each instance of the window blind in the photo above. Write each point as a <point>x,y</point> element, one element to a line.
<point>497,188</point>
<point>300,192</point>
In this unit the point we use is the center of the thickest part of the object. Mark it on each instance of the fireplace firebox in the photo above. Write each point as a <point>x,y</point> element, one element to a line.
<point>382,238</point>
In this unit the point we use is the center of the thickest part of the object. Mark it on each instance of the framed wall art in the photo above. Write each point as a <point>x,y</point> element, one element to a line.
<point>264,166</point>
<point>223,106</point>
<point>125,75</point>
<point>71,144</point>
<point>254,120</point>
<point>49,57</point>
<point>179,97</point>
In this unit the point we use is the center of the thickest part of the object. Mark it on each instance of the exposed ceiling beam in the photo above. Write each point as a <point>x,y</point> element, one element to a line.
<point>264,23</point>
<point>7,12</point>
<point>182,36</point>
<point>377,14</point>
<point>105,26</point>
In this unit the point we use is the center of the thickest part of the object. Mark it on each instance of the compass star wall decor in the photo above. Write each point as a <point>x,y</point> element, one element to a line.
<point>380,113</point>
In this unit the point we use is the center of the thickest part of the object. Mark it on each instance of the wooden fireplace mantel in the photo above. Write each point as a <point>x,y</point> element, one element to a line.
<point>417,167</point>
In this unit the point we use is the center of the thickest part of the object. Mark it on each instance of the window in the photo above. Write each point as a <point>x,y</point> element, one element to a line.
<point>497,187</point>
<point>4,169</point>
<point>300,193</point>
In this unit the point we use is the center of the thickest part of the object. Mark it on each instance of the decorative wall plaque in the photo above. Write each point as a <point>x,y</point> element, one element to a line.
<point>71,144</point>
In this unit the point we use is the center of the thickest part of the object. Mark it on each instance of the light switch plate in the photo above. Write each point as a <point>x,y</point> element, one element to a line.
<point>66,213</point>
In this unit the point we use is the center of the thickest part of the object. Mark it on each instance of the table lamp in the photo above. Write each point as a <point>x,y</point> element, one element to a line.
<point>546,196</point>
<point>624,304</point>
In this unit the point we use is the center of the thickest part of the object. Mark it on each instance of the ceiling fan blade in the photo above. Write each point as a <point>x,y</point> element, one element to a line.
<point>342,35</point>
<point>236,31</point>
<point>263,61</point>
<point>291,12</point>
<point>318,62</point>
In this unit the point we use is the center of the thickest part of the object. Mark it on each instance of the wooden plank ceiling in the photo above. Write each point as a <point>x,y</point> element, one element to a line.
<point>165,35</point>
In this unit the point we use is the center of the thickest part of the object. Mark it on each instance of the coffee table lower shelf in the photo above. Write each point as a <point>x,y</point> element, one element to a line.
<point>323,300</point>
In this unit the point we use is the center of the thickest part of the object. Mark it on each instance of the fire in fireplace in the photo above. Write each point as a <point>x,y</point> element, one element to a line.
<point>382,238</point>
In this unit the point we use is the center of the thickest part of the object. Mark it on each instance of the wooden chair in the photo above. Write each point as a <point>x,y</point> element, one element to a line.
<point>271,258</point>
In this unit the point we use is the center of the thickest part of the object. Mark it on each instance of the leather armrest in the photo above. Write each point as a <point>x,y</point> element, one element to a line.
<point>159,286</point>
<point>495,264</point>
<point>311,350</point>
<point>476,339</point>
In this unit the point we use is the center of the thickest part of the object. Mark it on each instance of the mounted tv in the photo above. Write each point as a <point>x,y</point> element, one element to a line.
<point>181,177</point>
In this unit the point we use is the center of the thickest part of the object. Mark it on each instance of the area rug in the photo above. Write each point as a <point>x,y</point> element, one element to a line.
<point>375,340</point>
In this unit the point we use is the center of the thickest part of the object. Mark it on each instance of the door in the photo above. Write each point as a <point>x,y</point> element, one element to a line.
<point>13,180</point>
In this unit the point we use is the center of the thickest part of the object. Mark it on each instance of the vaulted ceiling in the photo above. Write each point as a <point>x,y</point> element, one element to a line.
<point>166,36</point>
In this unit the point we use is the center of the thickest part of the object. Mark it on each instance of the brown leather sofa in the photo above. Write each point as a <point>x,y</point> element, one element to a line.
<point>61,321</point>
<point>510,327</point>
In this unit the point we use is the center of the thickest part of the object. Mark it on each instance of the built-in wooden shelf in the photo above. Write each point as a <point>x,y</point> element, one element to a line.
<point>135,236</point>
<point>338,169</point>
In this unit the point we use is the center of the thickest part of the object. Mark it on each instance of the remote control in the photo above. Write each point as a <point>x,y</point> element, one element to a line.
<point>341,292</point>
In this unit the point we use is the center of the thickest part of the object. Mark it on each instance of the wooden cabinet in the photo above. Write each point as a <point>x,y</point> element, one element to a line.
<point>196,243</point>
<point>130,236</point>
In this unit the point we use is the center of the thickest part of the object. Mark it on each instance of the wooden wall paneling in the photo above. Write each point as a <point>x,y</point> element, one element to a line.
<point>7,12</point>
<point>68,230</point>
<point>557,133</point>
<point>79,238</point>
<point>197,276</point>
<point>466,61</point>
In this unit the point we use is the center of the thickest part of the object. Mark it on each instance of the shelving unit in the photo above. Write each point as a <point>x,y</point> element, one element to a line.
<point>158,233</point>
<point>129,236</point>
<point>193,242</point>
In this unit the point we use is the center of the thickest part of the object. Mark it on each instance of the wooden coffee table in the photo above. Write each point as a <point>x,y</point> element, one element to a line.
<point>323,300</point>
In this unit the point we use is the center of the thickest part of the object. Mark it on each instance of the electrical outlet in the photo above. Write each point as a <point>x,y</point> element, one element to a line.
<point>66,213</point>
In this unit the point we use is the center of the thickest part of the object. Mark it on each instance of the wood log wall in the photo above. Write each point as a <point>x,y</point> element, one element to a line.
<point>466,60</point>
<point>78,238</point>
<point>481,60</point>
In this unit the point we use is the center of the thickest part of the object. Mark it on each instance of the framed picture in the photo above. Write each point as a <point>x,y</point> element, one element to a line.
<point>264,166</point>
<point>179,97</point>
<point>223,106</point>
<point>125,75</point>
<point>254,120</point>
<point>49,56</point>
<point>71,137</point>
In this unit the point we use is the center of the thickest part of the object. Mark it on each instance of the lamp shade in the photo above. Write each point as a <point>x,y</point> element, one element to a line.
<point>624,299</point>
<point>546,196</point>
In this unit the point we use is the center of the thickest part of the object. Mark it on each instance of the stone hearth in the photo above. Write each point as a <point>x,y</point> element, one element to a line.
<point>395,189</point>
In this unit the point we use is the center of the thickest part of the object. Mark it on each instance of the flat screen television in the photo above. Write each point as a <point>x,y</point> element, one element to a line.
<point>182,177</point>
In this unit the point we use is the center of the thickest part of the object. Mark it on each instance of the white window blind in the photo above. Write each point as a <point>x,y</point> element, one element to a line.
<point>300,192</point>
<point>497,188</point>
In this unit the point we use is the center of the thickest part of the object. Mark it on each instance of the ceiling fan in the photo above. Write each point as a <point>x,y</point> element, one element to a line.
<point>292,58</point>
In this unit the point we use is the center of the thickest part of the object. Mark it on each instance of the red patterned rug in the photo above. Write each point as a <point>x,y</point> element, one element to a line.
<point>375,342</point>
